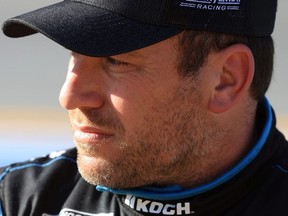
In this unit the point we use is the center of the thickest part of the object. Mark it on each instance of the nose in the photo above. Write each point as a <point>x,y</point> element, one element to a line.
<point>83,87</point>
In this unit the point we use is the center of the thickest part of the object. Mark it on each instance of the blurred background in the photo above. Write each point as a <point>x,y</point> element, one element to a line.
<point>32,123</point>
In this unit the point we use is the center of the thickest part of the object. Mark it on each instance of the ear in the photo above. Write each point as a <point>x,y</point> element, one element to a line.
<point>235,74</point>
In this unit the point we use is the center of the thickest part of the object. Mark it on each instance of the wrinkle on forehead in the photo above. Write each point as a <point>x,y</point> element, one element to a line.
<point>170,43</point>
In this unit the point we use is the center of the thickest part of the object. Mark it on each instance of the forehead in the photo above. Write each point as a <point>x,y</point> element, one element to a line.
<point>161,48</point>
<point>165,51</point>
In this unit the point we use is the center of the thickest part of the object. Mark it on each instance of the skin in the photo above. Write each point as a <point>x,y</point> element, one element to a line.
<point>137,122</point>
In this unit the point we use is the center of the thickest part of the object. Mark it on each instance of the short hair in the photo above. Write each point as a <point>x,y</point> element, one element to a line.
<point>195,46</point>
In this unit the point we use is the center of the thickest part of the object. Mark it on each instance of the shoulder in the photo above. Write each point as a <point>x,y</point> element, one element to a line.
<point>40,167</point>
<point>27,181</point>
<point>276,177</point>
<point>279,158</point>
<point>22,185</point>
<point>50,185</point>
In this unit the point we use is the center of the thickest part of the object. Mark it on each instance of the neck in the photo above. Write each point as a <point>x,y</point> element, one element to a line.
<point>227,147</point>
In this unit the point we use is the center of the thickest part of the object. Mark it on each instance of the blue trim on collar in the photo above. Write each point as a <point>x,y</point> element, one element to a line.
<point>177,192</point>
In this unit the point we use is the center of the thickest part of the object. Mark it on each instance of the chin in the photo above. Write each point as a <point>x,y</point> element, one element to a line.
<point>98,171</point>
<point>95,171</point>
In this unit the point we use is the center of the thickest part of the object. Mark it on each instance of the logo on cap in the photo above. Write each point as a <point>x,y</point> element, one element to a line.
<point>216,5</point>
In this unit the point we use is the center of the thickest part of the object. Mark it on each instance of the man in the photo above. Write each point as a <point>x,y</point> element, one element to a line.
<point>166,101</point>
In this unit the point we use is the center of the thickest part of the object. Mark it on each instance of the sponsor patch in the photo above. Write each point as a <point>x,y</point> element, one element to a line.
<point>153,207</point>
<point>215,5</point>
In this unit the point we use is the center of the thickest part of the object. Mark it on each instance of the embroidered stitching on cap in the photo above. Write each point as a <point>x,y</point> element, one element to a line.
<point>219,5</point>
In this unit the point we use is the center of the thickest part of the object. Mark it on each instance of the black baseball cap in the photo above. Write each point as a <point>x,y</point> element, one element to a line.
<point>110,27</point>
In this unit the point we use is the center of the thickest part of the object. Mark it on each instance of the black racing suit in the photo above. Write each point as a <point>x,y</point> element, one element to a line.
<point>256,186</point>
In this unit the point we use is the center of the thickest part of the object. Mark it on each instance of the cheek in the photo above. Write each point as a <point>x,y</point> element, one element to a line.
<point>132,104</point>
<point>118,103</point>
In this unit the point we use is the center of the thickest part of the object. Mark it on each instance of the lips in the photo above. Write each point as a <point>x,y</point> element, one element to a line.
<point>90,134</point>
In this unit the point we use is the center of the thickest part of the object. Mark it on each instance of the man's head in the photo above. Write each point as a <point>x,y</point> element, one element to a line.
<point>151,96</point>
<point>137,121</point>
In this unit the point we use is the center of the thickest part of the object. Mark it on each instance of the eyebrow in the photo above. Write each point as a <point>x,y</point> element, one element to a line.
<point>133,54</point>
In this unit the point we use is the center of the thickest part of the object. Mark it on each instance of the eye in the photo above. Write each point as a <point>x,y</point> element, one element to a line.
<point>115,62</point>
<point>117,66</point>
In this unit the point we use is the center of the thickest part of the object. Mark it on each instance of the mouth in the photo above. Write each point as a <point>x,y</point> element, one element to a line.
<point>90,135</point>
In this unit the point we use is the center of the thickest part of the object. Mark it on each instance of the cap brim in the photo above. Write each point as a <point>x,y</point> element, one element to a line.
<point>87,29</point>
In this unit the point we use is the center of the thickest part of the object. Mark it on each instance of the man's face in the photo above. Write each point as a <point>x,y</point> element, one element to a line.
<point>136,121</point>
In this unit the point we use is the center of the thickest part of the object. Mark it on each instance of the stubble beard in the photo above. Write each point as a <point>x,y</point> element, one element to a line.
<point>168,143</point>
